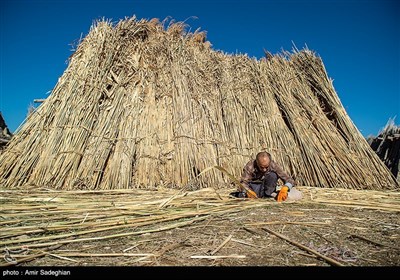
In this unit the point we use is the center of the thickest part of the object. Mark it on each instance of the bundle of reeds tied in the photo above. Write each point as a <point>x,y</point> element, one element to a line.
<point>146,103</point>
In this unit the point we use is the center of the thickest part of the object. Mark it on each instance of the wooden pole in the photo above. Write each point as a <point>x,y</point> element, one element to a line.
<point>329,260</point>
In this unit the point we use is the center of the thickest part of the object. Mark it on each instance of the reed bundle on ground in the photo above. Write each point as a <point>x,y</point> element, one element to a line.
<point>143,104</point>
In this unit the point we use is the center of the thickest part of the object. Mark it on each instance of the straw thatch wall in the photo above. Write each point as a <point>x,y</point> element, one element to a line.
<point>143,105</point>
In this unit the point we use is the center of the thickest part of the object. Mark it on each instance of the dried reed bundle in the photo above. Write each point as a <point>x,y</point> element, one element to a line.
<point>144,105</point>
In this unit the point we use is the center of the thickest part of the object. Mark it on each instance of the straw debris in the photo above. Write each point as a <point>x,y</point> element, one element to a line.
<point>126,227</point>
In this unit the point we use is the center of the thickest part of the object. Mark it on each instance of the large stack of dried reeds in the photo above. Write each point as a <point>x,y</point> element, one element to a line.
<point>144,105</point>
<point>5,134</point>
<point>387,146</point>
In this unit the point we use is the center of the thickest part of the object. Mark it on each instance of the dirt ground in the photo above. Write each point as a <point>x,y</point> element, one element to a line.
<point>325,228</point>
<point>344,238</point>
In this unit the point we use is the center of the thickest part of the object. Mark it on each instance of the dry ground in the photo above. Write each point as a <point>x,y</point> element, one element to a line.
<point>328,227</point>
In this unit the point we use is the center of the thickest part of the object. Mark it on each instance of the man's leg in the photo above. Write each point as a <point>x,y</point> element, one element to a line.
<point>258,188</point>
<point>269,183</point>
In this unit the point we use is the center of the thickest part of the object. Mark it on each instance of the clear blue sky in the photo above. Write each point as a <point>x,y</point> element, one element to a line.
<point>358,40</point>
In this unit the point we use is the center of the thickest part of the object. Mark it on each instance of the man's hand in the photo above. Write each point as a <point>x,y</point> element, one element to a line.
<point>283,194</point>
<point>251,194</point>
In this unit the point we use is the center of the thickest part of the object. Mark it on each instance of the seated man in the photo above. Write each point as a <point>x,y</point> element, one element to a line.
<point>261,175</point>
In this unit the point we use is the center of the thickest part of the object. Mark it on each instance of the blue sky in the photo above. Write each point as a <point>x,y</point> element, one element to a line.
<point>358,40</point>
